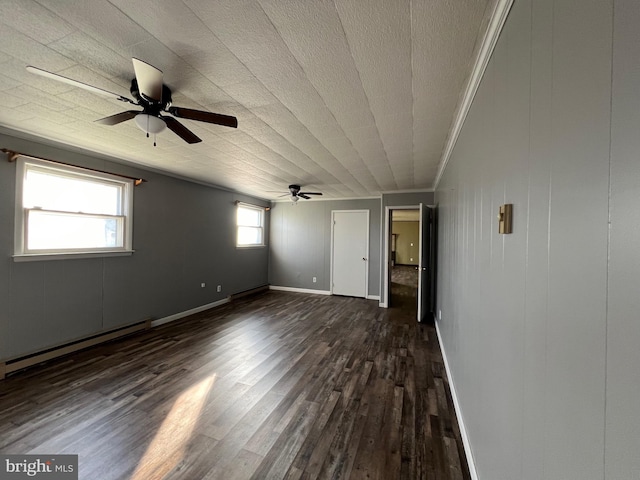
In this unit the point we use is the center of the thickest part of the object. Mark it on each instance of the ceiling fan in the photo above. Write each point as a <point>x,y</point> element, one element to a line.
<point>296,194</point>
<point>154,97</point>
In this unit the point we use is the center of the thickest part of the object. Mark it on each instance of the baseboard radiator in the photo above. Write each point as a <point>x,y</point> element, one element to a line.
<point>246,293</point>
<point>14,364</point>
<point>19,363</point>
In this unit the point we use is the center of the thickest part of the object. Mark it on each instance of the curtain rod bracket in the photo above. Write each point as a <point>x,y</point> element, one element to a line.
<point>11,155</point>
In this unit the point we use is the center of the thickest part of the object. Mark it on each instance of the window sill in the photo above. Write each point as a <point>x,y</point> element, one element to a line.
<point>244,247</point>
<point>35,257</point>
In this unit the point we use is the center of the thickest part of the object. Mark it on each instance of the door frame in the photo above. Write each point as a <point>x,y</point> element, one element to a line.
<point>366,276</point>
<point>424,264</point>
<point>384,298</point>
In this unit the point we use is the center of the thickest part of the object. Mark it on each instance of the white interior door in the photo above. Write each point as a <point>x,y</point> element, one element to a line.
<point>350,252</point>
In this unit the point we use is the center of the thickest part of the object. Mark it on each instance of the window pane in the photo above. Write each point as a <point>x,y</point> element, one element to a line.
<point>249,236</point>
<point>50,191</point>
<point>250,217</point>
<point>55,231</point>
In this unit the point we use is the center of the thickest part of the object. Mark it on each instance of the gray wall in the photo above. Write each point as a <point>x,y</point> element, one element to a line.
<point>300,243</point>
<point>623,302</point>
<point>183,235</point>
<point>406,199</point>
<point>541,327</point>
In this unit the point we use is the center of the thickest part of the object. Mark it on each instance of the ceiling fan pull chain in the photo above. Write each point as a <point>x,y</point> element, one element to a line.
<point>154,139</point>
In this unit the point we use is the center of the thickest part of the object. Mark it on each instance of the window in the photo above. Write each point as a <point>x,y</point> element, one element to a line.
<point>250,222</point>
<point>69,210</point>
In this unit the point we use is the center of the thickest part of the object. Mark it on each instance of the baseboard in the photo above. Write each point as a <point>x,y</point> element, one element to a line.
<point>177,316</point>
<point>20,363</point>
<point>456,406</point>
<point>246,293</point>
<point>315,292</point>
<point>299,290</point>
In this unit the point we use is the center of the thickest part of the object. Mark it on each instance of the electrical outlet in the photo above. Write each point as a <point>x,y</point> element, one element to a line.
<point>219,289</point>
<point>439,314</point>
<point>314,279</point>
<point>203,285</point>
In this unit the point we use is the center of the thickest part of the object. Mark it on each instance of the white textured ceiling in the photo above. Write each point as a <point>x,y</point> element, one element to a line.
<point>348,97</point>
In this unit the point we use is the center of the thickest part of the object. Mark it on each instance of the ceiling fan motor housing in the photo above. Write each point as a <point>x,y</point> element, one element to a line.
<point>150,106</point>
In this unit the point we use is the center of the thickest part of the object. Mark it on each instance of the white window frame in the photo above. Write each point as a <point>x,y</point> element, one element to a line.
<point>125,216</point>
<point>261,227</point>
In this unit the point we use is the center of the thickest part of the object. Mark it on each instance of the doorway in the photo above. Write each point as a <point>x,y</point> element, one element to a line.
<point>409,266</point>
<point>405,243</point>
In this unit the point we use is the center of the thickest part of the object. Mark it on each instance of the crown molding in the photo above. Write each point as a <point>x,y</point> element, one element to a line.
<point>498,19</point>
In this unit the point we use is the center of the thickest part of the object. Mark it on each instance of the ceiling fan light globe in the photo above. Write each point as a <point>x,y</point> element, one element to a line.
<point>294,199</point>
<point>149,123</point>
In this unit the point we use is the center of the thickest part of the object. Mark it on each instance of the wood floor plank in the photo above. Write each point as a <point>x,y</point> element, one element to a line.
<point>274,386</point>
<point>313,452</point>
<point>280,457</point>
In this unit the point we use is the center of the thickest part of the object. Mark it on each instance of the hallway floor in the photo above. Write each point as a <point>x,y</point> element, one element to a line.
<point>404,288</point>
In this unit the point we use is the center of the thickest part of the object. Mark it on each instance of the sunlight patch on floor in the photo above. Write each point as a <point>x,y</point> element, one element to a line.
<point>169,445</point>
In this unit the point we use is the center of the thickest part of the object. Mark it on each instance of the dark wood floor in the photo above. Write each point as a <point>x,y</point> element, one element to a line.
<point>404,287</point>
<point>281,385</point>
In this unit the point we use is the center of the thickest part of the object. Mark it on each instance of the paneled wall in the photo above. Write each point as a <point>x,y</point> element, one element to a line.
<point>623,301</point>
<point>183,235</point>
<point>540,327</point>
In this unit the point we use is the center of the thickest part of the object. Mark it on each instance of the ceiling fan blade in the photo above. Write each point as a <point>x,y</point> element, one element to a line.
<point>118,117</point>
<point>200,116</point>
<point>183,132</point>
<point>75,83</point>
<point>304,196</point>
<point>309,193</point>
<point>149,80</point>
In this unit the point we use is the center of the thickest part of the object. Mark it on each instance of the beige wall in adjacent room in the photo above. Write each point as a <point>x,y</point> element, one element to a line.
<point>408,236</point>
